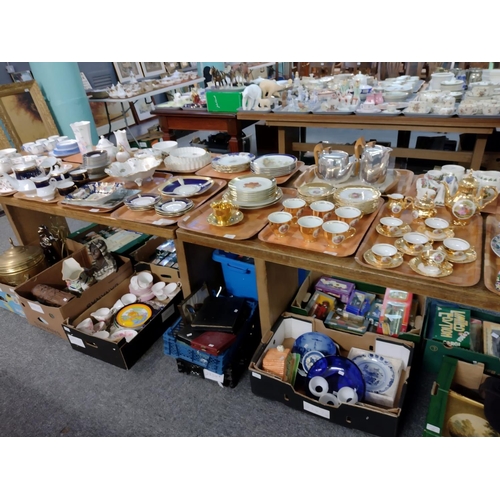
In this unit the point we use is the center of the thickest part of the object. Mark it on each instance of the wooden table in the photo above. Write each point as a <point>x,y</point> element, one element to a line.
<point>193,119</point>
<point>289,124</point>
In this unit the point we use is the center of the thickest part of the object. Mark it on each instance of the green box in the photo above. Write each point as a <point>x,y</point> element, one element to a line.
<point>313,276</point>
<point>76,240</point>
<point>454,378</point>
<point>434,350</point>
<point>224,101</point>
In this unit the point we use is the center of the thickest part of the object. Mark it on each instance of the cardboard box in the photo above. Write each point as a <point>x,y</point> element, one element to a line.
<point>299,307</point>
<point>435,350</point>
<point>9,300</point>
<point>122,354</point>
<point>450,406</point>
<point>51,318</point>
<point>224,101</point>
<point>142,255</point>
<point>364,416</point>
<point>75,240</point>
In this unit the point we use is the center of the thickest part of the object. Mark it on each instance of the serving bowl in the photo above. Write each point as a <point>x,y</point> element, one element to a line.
<point>395,96</point>
<point>187,159</point>
<point>134,169</point>
<point>165,147</point>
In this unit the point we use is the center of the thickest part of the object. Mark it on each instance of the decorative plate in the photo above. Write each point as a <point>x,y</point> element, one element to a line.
<point>377,371</point>
<point>126,334</point>
<point>100,195</point>
<point>312,342</point>
<point>248,205</point>
<point>251,184</point>
<point>370,259</point>
<point>316,189</point>
<point>339,372</point>
<point>232,160</point>
<point>133,315</point>
<point>357,194</point>
<point>142,201</point>
<point>431,271</point>
<point>237,217</point>
<point>178,187</point>
<point>177,206</point>
<point>495,245</point>
<point>469,425</point>
<point>447,233</point>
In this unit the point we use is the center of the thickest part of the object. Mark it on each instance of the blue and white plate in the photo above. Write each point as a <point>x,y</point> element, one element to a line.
<point>339,372</point>
<point>315,342</point>
<point>377,371</point>
<point>495,245</point>
<point>185,187</point>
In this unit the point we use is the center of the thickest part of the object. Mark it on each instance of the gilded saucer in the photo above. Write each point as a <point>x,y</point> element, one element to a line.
<point>400,244</point>
<point>469,256</point>
<point>405,228</point>
<point>447,233</point>
<point>446,268</point>
<point>396,261</point>
<point>237,217</point>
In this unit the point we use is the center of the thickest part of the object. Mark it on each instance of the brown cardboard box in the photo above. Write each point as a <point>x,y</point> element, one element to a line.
<point>142,255</point>
<point>51,318</point>
<point>364,416</point>
<point>122,354</point>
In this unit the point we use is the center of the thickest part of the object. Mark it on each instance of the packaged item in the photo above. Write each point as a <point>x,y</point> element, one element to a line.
<point>320,305</point>
<point>337,288</point>
<point>395,314</point>
<point>360,302</point>
<point>282,362</point>
<point>451,325</point>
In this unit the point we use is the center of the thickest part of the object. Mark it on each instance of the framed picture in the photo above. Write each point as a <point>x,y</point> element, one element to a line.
<point>142,109</point>
<point>491,338</point>
<point>24,114</point>
<point>150,69</point>
<point>124,71</point>
<point>171,67</point>
<point>115,115</point>
<point>22,76</point>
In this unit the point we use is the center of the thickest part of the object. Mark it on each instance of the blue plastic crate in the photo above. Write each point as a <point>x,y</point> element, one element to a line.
<point>216,364</point>
<point>239,274</point>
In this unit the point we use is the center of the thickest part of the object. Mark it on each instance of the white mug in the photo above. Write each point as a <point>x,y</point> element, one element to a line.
<point>171,288</point>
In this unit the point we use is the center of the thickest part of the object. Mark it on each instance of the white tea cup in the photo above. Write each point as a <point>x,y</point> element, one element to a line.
<point>172,288</point>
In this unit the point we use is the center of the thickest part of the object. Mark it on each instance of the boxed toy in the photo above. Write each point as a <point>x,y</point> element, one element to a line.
<point>395,314</point>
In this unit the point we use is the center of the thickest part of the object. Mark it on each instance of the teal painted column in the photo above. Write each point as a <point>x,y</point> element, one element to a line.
<point>62,87</point>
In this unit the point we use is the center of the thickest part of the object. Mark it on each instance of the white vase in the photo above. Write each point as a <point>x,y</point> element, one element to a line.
<point>121,139</point>
<point>82,136</point>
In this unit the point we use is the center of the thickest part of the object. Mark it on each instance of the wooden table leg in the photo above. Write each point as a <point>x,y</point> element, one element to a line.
<point>477,154</point>
<point>286,137</point>
<point>403,141</point>
<point>25,224</point>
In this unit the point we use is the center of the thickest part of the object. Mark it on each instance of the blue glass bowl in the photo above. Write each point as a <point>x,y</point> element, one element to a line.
<point>311,346</point>
<point>339,372</point>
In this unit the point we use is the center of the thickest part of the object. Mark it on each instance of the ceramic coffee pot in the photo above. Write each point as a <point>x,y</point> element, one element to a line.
<point>423,208</point>
<point>398,202</point>
<point>469,199</point>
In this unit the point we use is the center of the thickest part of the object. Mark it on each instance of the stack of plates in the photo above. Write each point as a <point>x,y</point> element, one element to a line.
<point>274,165</point>
<point>232,163</point>
<point>95,162</point>
<point>363,197</point>
<point>316,191</point>
<point>253,191</point>
<point>173,208</point>
<point>142,202</point>
<point>66,148</point>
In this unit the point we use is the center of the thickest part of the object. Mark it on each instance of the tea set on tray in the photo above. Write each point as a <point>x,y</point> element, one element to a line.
<point>461,194</point>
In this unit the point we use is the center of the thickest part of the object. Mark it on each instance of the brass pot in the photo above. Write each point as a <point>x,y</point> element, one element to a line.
<point>20,263</point>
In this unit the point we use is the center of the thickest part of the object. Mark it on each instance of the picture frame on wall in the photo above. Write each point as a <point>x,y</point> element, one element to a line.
<point>142,109</point>
<point>124,71</point>
<point>171,67</point>
<point>115,111</point>
<point>24,114</point>
<point>152,69</point>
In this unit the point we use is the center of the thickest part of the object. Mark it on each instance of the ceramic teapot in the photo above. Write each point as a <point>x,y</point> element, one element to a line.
<point>373,164</point>
<point>423,208</point>
<point>469,199</point>
<point>109,147</point>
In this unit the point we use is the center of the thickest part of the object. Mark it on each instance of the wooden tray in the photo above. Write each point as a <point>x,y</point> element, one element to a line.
<point>209,171</point>
<point>151,217</point>
<point>252,223</point>
<point>294,238</point>
<point>401,184</point>
<point>462,275</point>
<point>22,196</point>
<point>491,261</point>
